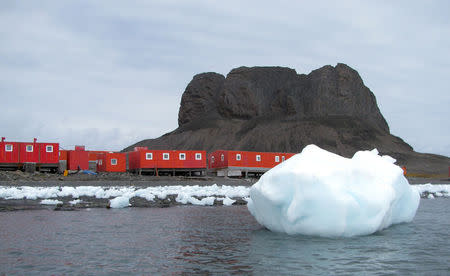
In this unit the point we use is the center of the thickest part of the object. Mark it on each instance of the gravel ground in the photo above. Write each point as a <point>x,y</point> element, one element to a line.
<point>19,178</point>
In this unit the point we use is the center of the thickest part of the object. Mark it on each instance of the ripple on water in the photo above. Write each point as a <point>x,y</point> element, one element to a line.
<point>202,240</point>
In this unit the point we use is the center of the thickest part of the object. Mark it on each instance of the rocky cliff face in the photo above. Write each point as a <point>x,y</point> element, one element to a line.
<point>276,109</point>
<point>248,93</point>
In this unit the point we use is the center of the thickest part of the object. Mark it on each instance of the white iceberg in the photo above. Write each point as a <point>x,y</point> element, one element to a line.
<point>320,193</point>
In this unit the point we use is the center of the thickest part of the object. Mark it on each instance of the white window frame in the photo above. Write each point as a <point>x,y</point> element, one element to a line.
<point>49,148</point>
<point>283,158</point>
<point>182,156</point>
<point>115,162</point>
<point>149,156</point>
<point>100,162</point>
<point>212,159</point>
<point>258,158</point>
<point>222,157</point>
<point>238,157</point>
<point>10,146</point>
<point>166,156</point>
<point>198,156</point>
<point>277,159</point>
<point>27,148</point>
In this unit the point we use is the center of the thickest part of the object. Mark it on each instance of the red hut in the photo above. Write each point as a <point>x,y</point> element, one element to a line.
<point>172,161</point>
<point>16,154</point>
<point>112,162</point>
<point>77,159</point>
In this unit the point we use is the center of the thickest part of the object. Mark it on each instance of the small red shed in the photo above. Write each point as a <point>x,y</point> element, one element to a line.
<point>77,159</point>
<point>44,155</point>
<point>167,160</point>
<point>112,162</point>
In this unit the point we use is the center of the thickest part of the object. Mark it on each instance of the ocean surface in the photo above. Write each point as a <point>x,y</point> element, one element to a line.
<point>212,240</point>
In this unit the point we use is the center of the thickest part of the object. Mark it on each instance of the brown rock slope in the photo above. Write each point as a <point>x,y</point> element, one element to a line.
<point>276,109</point>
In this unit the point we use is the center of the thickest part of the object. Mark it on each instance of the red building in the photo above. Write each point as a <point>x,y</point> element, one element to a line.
<point>112,162</point>
<point>235,163</point>
<point>77,159</point>
<point>172,161</point>
<point>15,154</point>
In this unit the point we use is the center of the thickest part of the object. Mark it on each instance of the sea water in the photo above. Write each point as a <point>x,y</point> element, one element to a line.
<point>216,240</point>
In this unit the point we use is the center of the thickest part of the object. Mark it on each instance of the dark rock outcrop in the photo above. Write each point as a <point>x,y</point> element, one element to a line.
<point>276,109</point>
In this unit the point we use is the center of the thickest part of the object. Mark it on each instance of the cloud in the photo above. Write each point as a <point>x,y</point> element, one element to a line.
<point>108,73</point>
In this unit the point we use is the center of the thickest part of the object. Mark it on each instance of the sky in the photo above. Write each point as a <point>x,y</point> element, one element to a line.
<point>107,74</point>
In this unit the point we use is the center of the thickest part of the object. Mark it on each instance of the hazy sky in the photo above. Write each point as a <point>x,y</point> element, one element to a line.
<point>107,74</point>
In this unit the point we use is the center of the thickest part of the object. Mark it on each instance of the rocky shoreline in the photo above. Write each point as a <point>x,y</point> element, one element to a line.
<point>92,202</point>
<point>19,178</point>
<point>109,181</point>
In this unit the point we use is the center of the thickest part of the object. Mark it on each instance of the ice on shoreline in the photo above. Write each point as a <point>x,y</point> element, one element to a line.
<point>120,196</point>
<point>75,201</point>
<point>437,190</point>
<point>320,193</point>
<point>51,202</point>
<point>184,194</point>
<point>119,202</point>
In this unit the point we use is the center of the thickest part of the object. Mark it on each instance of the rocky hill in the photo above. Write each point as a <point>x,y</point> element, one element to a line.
<point>276,109</point>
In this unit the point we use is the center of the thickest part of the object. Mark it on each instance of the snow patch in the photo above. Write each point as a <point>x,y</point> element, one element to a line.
<point>75,201</point>
<point>438,190</point>
<point>228,201</point>
<point>51,202</point>
<point>120,202</point>
<point>183,194</point>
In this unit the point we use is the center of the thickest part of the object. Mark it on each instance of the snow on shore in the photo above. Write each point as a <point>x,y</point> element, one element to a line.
<point>435,190</point>
<point>185,194</point>
<point>121,195</point>
<point>51,202</point>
